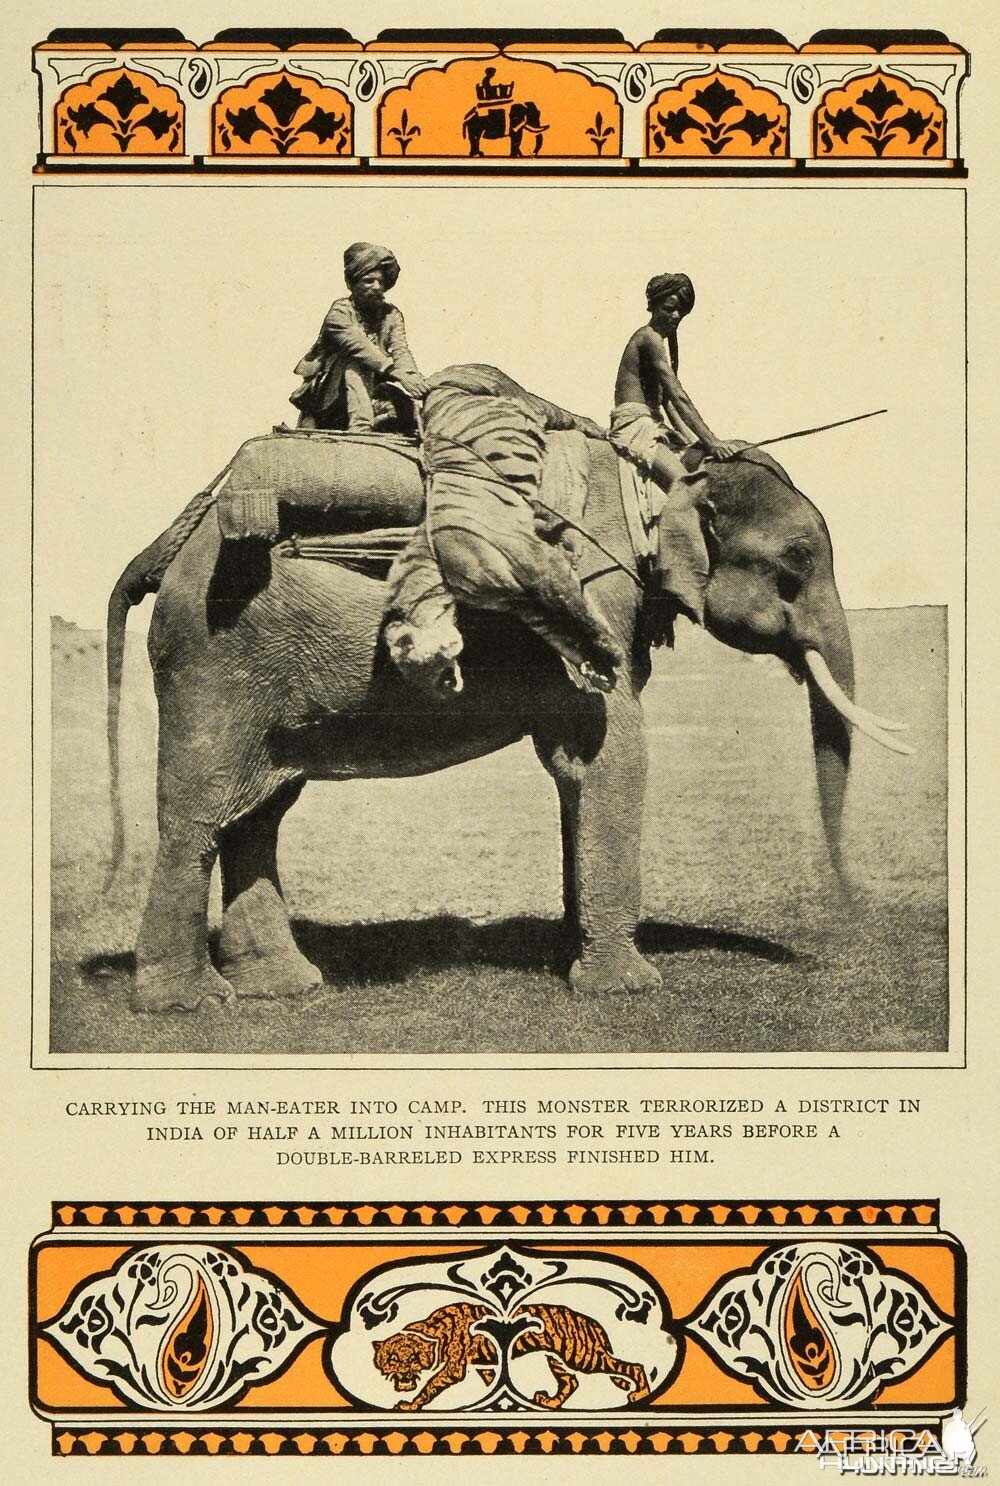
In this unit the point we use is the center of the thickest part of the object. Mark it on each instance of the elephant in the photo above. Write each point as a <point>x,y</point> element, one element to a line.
<point>511,120</point>
<point>270,672</point>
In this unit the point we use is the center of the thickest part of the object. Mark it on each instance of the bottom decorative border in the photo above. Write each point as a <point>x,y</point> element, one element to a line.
<point>582,1328</point>
<point>484,1442</point>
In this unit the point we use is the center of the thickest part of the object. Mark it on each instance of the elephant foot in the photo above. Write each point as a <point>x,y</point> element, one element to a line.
<point>162,987</point>
<point>621,969</point>
<point>272,977</point>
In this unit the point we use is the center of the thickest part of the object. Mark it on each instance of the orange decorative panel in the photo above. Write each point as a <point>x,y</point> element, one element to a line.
<point>484,1328</point>
<point>500,108</point>
<point>280,114</point>
<point>119,112</point>
<point>717,116</point>
<point>879,116</point>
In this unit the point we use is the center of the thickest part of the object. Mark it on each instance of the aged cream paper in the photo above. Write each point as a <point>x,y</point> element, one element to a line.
<point>140,286</point>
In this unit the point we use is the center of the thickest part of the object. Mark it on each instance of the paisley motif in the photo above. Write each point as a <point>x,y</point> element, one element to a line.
<point>819,1325</point>
<point>181,1328</point>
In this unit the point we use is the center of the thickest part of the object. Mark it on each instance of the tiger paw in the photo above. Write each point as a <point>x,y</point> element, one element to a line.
<point>546,1400</point>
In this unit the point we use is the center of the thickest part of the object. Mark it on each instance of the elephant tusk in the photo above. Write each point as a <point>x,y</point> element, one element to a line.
<point>873,727</point>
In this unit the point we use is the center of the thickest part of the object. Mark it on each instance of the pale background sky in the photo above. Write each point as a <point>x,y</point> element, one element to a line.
<point>168,321</point>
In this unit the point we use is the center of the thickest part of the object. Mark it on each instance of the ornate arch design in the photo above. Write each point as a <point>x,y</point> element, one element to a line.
<point>280,114</point>
<point>718,115</point>
<point>500,108</point>
<point>119,111</point>
<point>879,115</point>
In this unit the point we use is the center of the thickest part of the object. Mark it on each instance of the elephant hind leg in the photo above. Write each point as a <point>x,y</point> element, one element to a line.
<point>257,953</point>
<point>173,970</point>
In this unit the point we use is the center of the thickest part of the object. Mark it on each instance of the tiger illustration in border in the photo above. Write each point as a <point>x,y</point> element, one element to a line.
<point>445,1340</point>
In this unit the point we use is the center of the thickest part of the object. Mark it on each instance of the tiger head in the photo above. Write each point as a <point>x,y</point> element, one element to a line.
<point>404,1357</point>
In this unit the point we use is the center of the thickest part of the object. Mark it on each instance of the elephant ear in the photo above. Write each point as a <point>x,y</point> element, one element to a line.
<point>699,483</point>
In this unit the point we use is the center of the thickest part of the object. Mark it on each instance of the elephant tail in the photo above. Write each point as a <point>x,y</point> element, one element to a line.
<point>143,575</point>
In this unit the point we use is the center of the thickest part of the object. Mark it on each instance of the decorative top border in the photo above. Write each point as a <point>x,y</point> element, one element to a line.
<point>556,101</point>
<point>762,1215</point>
<point>497,39</point>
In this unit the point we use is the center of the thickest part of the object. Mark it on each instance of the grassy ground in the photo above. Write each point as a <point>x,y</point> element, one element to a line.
<point>431,904</point>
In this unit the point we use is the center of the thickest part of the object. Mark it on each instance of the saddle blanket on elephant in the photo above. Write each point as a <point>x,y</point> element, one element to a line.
<point>314,481</point>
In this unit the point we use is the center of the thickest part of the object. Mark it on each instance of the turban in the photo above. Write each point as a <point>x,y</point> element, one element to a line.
<point>677,284</point>
<point>362,258</point>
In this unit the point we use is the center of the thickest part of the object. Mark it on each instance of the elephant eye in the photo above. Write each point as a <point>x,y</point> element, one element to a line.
<point>794,566</point>
<point>797,559</point>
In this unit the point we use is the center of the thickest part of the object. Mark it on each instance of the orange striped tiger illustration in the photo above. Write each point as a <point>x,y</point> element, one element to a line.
<point>574,1343</point>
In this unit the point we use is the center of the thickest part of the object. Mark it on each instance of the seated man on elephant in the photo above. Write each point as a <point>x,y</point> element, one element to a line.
<point>647,386</point>
<point>360,352</point>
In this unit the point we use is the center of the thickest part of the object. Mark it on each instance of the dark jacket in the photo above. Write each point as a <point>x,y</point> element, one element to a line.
<point>344,341</point>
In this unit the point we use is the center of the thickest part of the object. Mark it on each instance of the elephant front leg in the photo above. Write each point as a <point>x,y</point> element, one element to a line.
<point>257,953</point>
<point>173,970</point>
<point>601,799</point>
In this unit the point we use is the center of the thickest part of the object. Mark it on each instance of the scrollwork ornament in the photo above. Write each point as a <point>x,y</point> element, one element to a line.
<point>366,80</point>
<point>804,81</point>
<point>200,76</point>
<point>636,82</point>
<point>819,1325</point>
<point>181,1328</point>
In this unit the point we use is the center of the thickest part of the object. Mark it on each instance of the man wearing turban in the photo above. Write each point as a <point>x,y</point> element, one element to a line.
<point>646,389</point>
<point>361,349</point>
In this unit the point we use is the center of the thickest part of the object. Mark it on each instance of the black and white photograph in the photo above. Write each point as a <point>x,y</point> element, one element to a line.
<point>501,622</point>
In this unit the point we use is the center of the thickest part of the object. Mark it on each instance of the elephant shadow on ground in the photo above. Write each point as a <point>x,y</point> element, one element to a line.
<point>392,950</point>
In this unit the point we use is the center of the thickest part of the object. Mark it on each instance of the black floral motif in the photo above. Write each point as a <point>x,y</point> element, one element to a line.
<point>755,126</point>
<point>731,1319</point>
<point>245,123</point>
<point>158,121</point>
<point>878,116</point>
<point>124,98</point>
<point>808,1344</point>
<point>716,100</point>
<point>277,114</point>
<point>145,1267</point>
<point>913,123</point>
<point>600,133</point>
<point>879,100</point>
<point>506,1279</point>
<point>405,134</point>
<point>91,1323</point>
<point>783,1262</point>
<point>221,1265</point>
<point>717,130</point>
<point>854,1263</point>
<point>87,117</point>
<point>844,122</point>
<point>907,1320</point>
<point>325,125</point>
<point>124,95</point>
<point>284,100</point>
<point>273,1320</point>
<point>676,123</point>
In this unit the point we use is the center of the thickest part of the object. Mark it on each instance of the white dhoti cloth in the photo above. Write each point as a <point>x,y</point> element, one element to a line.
<point>641,438</point>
